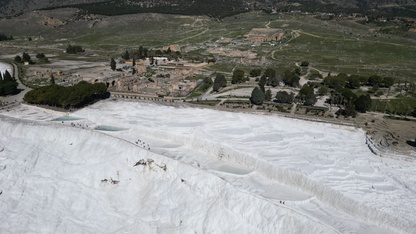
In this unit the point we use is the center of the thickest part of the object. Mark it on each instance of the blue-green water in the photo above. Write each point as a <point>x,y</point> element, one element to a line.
<point>67,118</point>
<point>108,128</point>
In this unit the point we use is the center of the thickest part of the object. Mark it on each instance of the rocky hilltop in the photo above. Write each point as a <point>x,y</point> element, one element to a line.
<point>212,8</point>
<point>15,7</point>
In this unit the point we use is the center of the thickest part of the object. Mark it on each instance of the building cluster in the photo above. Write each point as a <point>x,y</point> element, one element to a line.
<point>265,34</point>
<point>159,78</point>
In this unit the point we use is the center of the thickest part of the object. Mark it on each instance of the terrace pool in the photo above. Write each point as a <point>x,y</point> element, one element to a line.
<point>109,128</point>
<point>67,118</point>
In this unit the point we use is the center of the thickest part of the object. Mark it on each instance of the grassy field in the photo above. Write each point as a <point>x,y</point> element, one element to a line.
<point>330,46</point>
<point>400,106</point>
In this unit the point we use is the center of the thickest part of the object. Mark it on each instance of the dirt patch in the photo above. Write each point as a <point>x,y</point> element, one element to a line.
<point>232,53</point>
<point>391,134</point>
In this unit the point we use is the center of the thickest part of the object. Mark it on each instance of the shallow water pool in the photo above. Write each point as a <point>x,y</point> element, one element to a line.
<point>108,128</point>
<point>67,118</point>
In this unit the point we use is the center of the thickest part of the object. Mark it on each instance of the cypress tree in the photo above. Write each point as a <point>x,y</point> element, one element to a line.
<point>219,82</point>
<point>126,55</point>
<point>140,51</point>
<point>7,76</point>
<point>268,95</point>
<point>113,64</point>
<point>133,66</point>
<point>263,80</point>
<point>257,96</point>
<point>52,79</point>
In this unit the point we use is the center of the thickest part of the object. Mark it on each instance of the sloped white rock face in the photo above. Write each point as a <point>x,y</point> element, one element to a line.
<point>58,179</point>
<point>4,67</point>
<point>225,172</point>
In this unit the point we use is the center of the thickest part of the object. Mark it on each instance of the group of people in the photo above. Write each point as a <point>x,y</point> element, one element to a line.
<point>143,144</point>
<point>138,142</point>
<point>78,125</point>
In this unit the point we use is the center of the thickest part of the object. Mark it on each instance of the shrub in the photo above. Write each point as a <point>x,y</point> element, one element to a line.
<point>74,49</point>
<point>304,63</point>
<point>379,93</point>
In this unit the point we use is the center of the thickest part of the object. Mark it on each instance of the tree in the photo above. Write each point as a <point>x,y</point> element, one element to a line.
<point>52,79</point>
<point>306,91</point>
<point>268,95</point>
<point>304,63</point>
<point>374,79</point>
<point>388,81</point>
<point>284,97</point>
<point>348,95</point>
<point>257,96</point>
<point>263,81</point>
<point>141,51</point>
<point>211,60</point>
<point>133,67</point>
<point>8,85</point>
<point>342,76</point>
<point>363,79</point>
<point>7,76</point>
<point>74,49</point>
<point>291,78</point>
<point>363,103</point>
<point>376,87</point>
<point>126,55</point>
<point>310,100</point>
<point>26,57</point>
<point>315,75</point>
<point>270,73</point>
<point>206,84</point>
<point>297,71</point>
<point>146,52</point>
<point>42,58</point>
<point>414,112</point>
<point>322,90</point>
<point>307,94</point>
<point>4,37</point>
<point>353,82</point>
<point>238,76</point>
<point>157,52</point>
<point>271,77</point>
<point>18,59</point>
<point>113,64</point>
<point>336,82</point>
<point>219,82</point>
<point>273,81</point>
<point>349,110</point>
<point>78,95</point>
<point>262,89</point>
<point>255,72</point>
